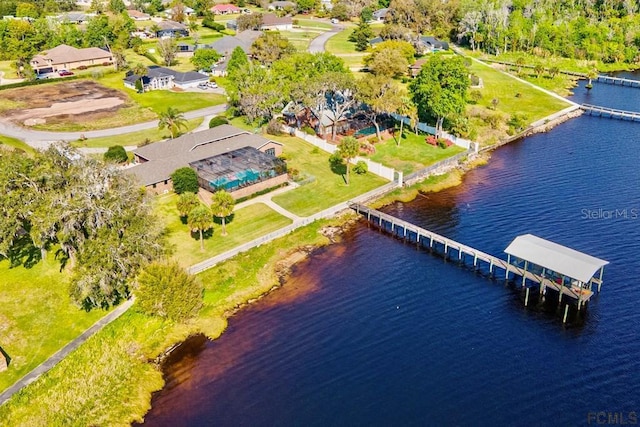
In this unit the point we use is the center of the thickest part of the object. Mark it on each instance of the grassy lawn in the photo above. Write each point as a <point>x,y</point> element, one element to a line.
<point>412,154</point>
<point>15,143</point>
<point>158,100</point>
<point>109,379</point>
<point>353,60</point>
<point>247,223</point>
<point>134,138</point>
<point>37,316</point>
<point>339,43</point>
<point>300,39</point>
<point>534,103</point>
<point>312,23</point>
<point>327,189</point>
<point>8,70</point>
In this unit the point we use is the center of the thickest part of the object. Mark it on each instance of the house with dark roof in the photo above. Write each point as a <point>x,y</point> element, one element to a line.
<point>428,44</point>
<point>171,29</point>
<point>225,46</point>
<point>282,5</point>
<point>74,17</point>
<point>64,57</point>
<point>164,78</point>
<point>380,15</point>
<point>225,157</point>
<point>271,21</point>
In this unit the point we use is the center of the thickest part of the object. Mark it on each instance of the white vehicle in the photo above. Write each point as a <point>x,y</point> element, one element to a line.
<point>334,21</point>
<point>212,85</point>
<point>202,85</point>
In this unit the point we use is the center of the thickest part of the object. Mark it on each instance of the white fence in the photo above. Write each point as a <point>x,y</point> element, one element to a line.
<point>374,167</point>
<point>363,198</point>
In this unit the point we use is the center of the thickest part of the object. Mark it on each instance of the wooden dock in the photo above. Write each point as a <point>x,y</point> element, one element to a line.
<point>611,113</point>
<point>426,238</point>
<point>618,81</point>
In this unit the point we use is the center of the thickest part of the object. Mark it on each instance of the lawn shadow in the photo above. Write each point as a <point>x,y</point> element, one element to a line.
<point>6,356</point>
<point>338,167</point>
<point>227,220</point>
<point>24,252</point>
<point>205,234</point>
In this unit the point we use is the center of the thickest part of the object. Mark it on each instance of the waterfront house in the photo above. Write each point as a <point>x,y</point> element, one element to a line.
<point>224,157</point>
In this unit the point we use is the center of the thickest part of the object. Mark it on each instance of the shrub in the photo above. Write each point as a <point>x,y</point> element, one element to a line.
<point>210,23</point>
<point>82,67</point>
<point>361,167</point>
<point>517,122</point>
<point>151,57</point>
<point>294,173</point>
<point>274,127</point>
<point>185,179</point>
<point>494,120</point>
<point>431,140</point>
<point>217,121</point>
<point>165,290</point>
<point>308,130</point>
<point>116,154</point>
<point>475,96</point>
<point>444,142</point>
<point>475,80</point>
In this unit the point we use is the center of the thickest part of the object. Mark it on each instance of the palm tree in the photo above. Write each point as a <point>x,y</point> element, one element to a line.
<point>554,71</point>
<point>173,120</point>
<point>520,61</point>
<point>592,74</point>
<point>538,69</point>
<point>200,220</point>
<point>222,204</point>
<point>348,148</point>
<point>186,203</point>
<point>405,107</point>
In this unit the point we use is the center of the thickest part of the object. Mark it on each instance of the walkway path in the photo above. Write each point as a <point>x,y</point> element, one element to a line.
<point>64,351</point>
<point>42,139</point>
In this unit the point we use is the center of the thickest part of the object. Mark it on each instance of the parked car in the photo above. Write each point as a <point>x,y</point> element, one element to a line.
<point>212,85</point>
<point>63,73</point>
<point>203,85</point>
<point>334,21</point>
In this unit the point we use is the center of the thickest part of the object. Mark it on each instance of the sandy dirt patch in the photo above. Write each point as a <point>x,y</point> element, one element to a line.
<point>74,100</point>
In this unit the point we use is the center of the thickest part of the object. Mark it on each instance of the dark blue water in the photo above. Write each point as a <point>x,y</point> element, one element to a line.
<point>372,331</point>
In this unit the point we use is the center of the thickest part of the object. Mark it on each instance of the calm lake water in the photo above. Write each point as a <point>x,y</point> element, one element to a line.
<point>372,331</point>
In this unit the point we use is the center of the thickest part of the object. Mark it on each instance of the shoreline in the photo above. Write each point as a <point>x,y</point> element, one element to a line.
<point>449,177</point>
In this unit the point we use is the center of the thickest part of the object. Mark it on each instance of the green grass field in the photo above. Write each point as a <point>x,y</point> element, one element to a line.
<point>300,39</point>
<point>158,100</point>
<point>339,43</point>
<point>412,154</point>
<point>514,96</point>
<point>37,316</point>
<point>312,23</point>
<point>327,189</point>
<point>245,225</point>
<point>15,143</point>
<point>134,138</point>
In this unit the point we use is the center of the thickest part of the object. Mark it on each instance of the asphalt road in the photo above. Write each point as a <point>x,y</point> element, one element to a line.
<point>317,45</point>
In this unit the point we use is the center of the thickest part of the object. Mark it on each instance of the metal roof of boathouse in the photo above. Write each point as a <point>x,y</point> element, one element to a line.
<point>555,257</point>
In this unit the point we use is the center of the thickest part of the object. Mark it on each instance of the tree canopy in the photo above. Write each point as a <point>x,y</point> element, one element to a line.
<point>204,58</point>
<point>185,180</point>
<point>440,89</point>
<point>93,215</point>
<point>165,290</point>
<point>222,204</point>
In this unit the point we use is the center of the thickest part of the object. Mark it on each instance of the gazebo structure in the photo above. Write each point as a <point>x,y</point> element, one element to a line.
<point>566,270</point>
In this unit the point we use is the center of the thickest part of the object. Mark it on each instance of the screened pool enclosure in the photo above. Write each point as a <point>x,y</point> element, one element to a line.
<point>237,169</point>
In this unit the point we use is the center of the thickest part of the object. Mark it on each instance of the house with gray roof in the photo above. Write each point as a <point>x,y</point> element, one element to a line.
<point>271,21</point>
<point>171,29</point>
<point>380,15</point>
<point>220,151</point>
<point>164,78</point>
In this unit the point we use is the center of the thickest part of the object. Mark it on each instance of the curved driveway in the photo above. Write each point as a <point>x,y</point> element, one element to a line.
<point>318,44</point>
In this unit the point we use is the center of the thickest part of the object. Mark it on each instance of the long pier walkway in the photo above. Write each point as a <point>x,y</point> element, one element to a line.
<point>618,81</point>
<point>426,238</point>
<point>612,113</point>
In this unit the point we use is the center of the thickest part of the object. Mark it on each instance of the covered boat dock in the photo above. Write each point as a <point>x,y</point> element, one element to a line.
<point>551,265</point>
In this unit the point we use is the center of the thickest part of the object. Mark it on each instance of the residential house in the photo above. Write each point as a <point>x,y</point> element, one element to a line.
<point>272,22</point>
<point>136,15</point>
<point>74,17</point>
<point>142,34</point>
<point>224,157</point>
<point>64,57</point>
<point>225,46</point>
<point>225,9</point>
<point>380,15</point>
<point>157,78</point>
<point>186,11</point>
<point>282,5</point>
<point>326,4</point>
<point>415,68</point>
<point>428,44</point>
<point>171,29</point>
<point>185,49</point>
